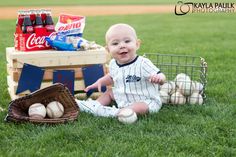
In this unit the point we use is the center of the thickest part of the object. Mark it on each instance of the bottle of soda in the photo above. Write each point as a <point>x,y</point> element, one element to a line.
<point>20,18</point>
<point>49,25</point>
<point>43,14</point>
<point>27,26</point>
<point>32,14</point>
<point>38,23</point>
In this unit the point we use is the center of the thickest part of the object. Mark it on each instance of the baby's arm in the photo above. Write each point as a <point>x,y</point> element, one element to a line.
<point>159,78</point>
<point>152,73</point>
<point>103,81</point>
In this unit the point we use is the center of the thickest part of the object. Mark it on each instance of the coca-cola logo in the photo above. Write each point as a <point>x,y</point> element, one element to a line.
<point>29,29</point>
<point>34,41</point>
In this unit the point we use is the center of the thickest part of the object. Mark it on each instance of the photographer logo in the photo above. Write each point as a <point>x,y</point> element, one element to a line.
<point>183,8</point>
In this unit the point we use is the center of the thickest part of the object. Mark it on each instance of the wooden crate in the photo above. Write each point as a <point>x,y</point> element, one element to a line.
<point>51,60</point>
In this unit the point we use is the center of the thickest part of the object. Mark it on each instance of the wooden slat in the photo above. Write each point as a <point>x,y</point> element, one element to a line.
<point>80,96</point>
<point>13,73</point>
<point>48,74</point>
<point>52,58</point>
<point>83,96</point>
<point>12,95</point>
<point>78,86</point>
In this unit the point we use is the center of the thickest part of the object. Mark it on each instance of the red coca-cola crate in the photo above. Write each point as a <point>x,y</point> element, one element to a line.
<point>32,41</point>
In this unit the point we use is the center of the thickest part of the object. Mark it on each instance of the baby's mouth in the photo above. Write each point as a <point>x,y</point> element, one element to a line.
<point>123,53</point>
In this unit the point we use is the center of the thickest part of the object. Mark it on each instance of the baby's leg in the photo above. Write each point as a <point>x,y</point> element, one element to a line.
<point>106,98</point>
<point>139,108</point>
<point>146,106</point>
<point>99,107</point>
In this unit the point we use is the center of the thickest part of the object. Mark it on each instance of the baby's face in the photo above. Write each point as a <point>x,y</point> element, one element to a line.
<point>122,43</point>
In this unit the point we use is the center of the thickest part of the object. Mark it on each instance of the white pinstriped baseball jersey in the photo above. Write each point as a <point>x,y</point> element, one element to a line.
<point>131,81</point>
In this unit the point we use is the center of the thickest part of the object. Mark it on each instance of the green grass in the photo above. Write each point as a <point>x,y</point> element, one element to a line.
<point>96,2</point>
<point>188,130</point>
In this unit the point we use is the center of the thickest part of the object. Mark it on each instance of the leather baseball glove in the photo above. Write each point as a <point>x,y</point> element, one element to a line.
<point>18,108</point>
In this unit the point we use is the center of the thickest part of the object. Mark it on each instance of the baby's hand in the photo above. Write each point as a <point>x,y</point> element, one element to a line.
<point>97,85</point>
<point>157,78</point>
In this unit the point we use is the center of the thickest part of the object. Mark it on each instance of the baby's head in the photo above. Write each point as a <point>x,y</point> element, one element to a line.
<point>118,28</point>
<point>122,42</point>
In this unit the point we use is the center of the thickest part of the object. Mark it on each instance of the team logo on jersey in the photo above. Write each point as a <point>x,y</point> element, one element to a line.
<point>132,78</point>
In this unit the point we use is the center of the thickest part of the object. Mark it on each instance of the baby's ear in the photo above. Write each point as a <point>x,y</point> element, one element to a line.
<point>106,47</point>
<point>138,43</point>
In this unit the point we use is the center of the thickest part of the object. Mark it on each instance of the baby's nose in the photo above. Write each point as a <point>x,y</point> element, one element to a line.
<point>122,45</point>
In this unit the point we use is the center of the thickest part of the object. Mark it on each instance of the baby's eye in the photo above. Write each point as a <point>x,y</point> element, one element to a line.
<point>114,44</point>
<point>127,41</point>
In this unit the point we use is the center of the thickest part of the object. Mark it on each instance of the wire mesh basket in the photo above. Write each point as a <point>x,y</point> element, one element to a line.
<point>186,77</point>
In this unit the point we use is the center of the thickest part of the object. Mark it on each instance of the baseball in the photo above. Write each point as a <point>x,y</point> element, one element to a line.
<point>195,98</point>
<point>55,109</point>
<point>186,87</point>
<point>167,87</point>
<point>182,76</point>
<point>127,116</point>
<point>198,87</point>
<point>37,110</point>
<point>173,85</point>
<point>165,97</point>
<point>177,98</point>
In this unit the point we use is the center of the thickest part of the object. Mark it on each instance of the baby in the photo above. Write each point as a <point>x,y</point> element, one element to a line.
<point>134,79</point>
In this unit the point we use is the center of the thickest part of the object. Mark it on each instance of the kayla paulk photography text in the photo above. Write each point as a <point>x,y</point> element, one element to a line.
<point>182,8</point>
